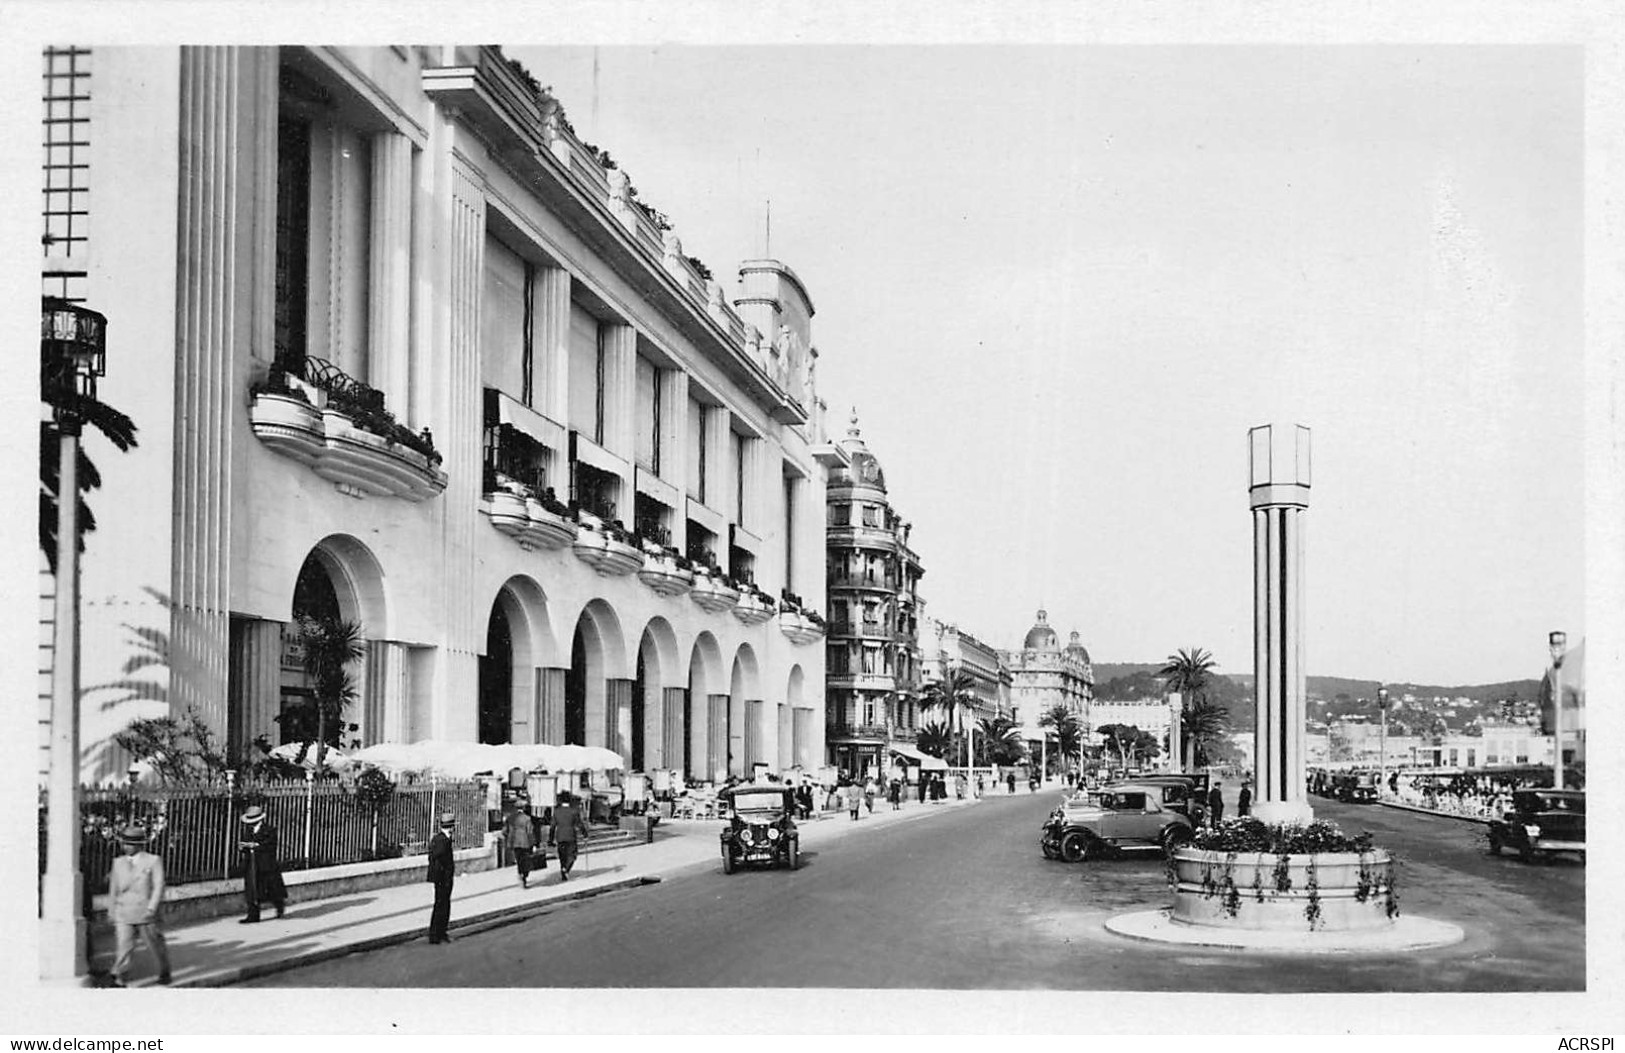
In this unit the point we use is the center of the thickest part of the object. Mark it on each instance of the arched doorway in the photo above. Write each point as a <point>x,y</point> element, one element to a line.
<point>496,679</point>
<point>639,685</point>
<point>575,691</point>
<point>315,598</point>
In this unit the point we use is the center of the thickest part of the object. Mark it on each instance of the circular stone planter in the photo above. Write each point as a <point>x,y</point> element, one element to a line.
<point>1205,878</point>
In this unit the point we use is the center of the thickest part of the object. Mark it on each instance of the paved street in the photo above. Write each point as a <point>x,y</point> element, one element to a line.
<point>965,900</point>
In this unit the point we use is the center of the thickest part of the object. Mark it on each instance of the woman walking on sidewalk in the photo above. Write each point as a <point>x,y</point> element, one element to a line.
<point>895,792</point>
<point>869,791</point>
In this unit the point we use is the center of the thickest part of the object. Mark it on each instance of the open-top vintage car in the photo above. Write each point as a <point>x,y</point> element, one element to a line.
<point>1541,821</point>
<point>1128,817</point>
<point>760,829</point>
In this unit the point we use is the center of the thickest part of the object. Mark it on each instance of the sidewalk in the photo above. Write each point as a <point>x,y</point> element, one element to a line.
<point>220,951</point>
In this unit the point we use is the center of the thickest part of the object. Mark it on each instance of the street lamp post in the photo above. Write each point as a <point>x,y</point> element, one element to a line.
<point>1382,741</point>
<point>1558,643</point>
<point>73,353</point>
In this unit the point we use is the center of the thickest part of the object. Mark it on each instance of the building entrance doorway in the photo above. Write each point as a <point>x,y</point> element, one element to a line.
<point>496,680</point>
<point>575,693</point>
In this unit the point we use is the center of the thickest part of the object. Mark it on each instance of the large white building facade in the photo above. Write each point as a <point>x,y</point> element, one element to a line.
<point>1044,675</point>
<point>873,579</point>
<point>403,349</point>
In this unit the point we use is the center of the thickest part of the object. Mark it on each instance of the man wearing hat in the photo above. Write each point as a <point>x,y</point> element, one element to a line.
<point>262,875</point>
<point>135,893</point>
<point>567,827</point>
<point>441,873</point>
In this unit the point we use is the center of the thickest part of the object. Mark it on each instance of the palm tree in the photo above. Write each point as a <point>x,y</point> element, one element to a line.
<point>1001,741</point>
<point>59,394</point>
<point>1068,732</point>
<point>935,739</point>
<point>954,695</point>
<point>1203,723</point>
<point>1189,671</point>
<point>330,644</point>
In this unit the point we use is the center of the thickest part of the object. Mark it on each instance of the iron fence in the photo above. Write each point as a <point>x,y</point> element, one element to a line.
<point>195,828</point>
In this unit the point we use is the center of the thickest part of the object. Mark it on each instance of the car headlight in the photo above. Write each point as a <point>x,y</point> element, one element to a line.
<point>1531,829</point>
<point>773,834</point>
<point>744,835</point>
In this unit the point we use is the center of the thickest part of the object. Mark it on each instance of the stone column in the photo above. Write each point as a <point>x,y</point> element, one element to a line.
<point>256,682</point>
<point>699,739</point>
<point>550,696</point>
<point>718,469</point>
<point>389,697</point>
<point>389,288</point>
<point>801,733</point>
<point>717,767</point>
<point>736,743</point>
<point>785,752</point>
<point>620,406</point>
<point>524,722</point>
<point>618,717</point>
<point>1175,725</point>
<point>1279,493</point>
<point>551,367</point>
<point>220,114</point>
<point>654,725</point>
<point>672,751</point>
<point>674,466</point>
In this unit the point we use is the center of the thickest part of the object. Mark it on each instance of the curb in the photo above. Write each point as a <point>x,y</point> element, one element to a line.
<point>476,923</point>
<point>1442,815</point>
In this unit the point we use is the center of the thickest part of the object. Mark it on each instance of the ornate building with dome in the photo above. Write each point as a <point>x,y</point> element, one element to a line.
<point>872,649</point>
<point>1044,675</point>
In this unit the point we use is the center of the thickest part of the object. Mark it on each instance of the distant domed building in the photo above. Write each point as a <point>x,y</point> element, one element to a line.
<point>1044,675</point>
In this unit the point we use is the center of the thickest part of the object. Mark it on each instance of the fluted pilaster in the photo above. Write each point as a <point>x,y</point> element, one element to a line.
<point>256,680</point>
<point>672,751</point>
<point>620,402</point>
<point>552,362</point>
<point>550,692</point>
<point>390,289</point>
<point>716,756</point>
<point>214,310</point>
<point>618,716</point>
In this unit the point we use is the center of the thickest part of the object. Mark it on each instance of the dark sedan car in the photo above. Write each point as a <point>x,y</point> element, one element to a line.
<point>760,830</point>
<point>1541,821</point>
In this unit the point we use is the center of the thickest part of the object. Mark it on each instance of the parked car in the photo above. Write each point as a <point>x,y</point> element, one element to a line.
<point>1179,794</point>
<point>760,829</point>
<point>1357,787</point>
<point>1541,821</point>
<point>1128,817</point>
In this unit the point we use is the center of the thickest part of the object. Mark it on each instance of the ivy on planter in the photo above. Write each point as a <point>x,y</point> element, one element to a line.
<point>1311,907</point>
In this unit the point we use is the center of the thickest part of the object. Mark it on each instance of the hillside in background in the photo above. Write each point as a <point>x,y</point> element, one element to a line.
<point>1333,698</point>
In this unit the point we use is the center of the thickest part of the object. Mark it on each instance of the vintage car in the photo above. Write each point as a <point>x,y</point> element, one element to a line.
<point>1185,794</point>
<point>1356,787</point>
<point>1127,817</point>
<point>760,829</point>
<point>1541,821</point>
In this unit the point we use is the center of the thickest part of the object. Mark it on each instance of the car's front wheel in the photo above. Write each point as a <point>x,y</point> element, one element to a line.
<point>1174,837</point>
<point>794,854</point>
<point>727,861</point>
<point>1075,847</point>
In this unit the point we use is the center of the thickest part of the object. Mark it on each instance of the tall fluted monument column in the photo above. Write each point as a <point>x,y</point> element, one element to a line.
<point>1279,493</point>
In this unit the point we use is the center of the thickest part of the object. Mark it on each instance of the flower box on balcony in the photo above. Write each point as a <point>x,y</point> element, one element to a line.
<point>753,608</point>
<point>662,573</point>
<point>800,630</point>
<point>546,528</point>
<point>712,593</point>
<point>288,424</point>
<point>508,512</point>
<point>600,549</point>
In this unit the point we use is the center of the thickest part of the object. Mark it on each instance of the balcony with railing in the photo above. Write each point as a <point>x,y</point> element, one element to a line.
<point>529,132</point>
<point>312,412</point>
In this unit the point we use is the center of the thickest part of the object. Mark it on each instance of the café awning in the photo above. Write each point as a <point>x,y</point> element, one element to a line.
<point>914,756</point>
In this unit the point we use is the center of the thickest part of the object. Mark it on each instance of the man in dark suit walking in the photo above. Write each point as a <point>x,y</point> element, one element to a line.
<point>262,875</point>
<point>1244,800</point>
<point>1215,805</point>
<point>567,825</point>
<point>441,873</point>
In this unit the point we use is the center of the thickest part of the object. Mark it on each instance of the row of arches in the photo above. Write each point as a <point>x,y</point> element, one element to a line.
<point>666,702</point>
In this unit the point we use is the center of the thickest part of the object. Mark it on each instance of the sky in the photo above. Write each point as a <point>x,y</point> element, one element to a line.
<point>1059,283</point>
